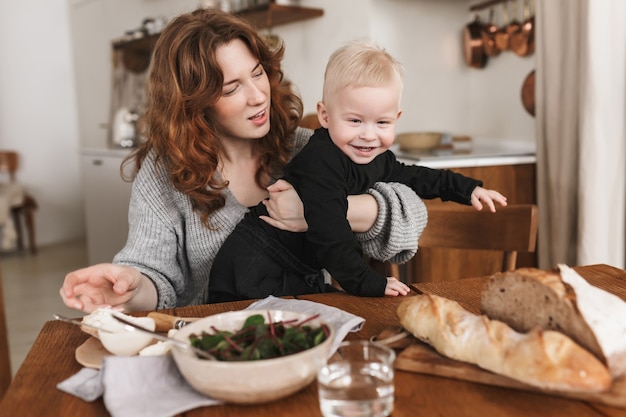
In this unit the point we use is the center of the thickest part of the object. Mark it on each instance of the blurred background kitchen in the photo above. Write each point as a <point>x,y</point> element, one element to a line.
<point>58,74</point>
<point>71,87</point>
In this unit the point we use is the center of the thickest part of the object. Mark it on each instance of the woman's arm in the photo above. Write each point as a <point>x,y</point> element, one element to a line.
<point>402,217</point>
<point>287,213</point>
<point>362,212</point>
<point>388,221</point>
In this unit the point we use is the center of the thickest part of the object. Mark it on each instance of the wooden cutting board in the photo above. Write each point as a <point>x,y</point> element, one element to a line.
<point>421,358</point>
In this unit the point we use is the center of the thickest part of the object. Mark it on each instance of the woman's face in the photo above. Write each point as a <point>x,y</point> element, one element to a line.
<point>243,110</point>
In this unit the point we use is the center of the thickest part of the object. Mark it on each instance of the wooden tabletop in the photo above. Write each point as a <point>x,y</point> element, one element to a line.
<point>51,360</point>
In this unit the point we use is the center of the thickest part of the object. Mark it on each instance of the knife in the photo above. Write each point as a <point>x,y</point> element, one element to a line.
<point>165,322</point>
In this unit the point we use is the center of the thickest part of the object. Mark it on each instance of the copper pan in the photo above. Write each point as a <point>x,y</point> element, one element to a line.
<point>489,36</point>
<point>523,41</point>
<point>528,93</point>
<point>503,37</point>
<point>473,50</point>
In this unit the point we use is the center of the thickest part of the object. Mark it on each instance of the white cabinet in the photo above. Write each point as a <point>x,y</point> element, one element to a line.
<point>106,199</point>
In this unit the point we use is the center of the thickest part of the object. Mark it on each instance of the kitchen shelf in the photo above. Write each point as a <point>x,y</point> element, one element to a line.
<point>142,44</point>
<point>272,14</point>
<point>136,51</point>
<point>485,4</point>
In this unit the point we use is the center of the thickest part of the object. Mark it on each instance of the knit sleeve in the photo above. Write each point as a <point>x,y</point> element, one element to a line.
<point>402,217</point>
<point>151,238</point>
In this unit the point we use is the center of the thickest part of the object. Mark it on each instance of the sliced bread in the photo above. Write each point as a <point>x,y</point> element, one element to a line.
<point>564,301</point>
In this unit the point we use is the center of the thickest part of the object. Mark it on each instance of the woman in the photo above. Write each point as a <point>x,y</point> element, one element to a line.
<point>220,124</point>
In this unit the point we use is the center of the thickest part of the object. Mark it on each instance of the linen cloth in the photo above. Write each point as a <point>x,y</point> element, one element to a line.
<point>152,386</point>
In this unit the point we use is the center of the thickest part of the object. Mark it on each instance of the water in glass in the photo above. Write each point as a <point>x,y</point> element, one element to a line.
<point>356,389</point>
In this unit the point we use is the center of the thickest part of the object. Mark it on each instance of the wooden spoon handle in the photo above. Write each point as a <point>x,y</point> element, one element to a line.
<point>165,322</point>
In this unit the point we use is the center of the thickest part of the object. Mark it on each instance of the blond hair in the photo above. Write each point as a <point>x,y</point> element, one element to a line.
<point>361,64</point>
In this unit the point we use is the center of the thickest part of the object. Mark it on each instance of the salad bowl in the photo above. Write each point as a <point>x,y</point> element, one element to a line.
<point>251,381</point>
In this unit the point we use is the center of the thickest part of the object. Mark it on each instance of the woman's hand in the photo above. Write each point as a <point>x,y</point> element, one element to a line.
<point>286,211</point>
<point>481,195</point>
<point>285,208</point>
<point>108,285</point>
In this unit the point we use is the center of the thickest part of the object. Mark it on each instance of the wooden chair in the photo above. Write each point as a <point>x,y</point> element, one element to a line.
<point>9,164</point>
<point>310,121</point>
<point>509,230</point>
<point>5,360</point>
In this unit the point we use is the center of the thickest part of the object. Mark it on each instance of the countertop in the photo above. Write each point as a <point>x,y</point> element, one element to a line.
<point>481,152</point>
<point>106,152</point>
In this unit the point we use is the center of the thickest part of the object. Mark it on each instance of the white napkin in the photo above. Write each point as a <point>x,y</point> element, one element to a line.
<point>85,384</point>
<point>139,386</point>
<point>148,386</point>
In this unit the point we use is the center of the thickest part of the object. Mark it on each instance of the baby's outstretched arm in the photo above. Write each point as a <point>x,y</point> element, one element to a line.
<point>481,195</point>
<point>396,287</point>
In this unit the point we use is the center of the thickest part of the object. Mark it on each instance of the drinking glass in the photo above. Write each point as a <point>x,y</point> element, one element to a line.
<point>357,381</point>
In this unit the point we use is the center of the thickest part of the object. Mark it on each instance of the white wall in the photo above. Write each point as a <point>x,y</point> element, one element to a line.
<point>48,118</point>
<point>38,112</point>
<point>441,92</point>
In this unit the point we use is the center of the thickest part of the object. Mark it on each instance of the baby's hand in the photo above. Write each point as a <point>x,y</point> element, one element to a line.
<point>395,287</point>
<point>488,197</point>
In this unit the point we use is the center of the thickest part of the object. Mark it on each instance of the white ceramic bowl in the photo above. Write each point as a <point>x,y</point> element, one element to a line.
<point>124,342</point>
<point>249,382</point>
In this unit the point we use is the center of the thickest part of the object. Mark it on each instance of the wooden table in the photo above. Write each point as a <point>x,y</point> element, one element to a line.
<point>51,360</point>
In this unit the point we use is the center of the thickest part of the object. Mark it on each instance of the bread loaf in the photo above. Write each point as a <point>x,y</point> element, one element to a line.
<point>561,300</point>
<point>545,359</point>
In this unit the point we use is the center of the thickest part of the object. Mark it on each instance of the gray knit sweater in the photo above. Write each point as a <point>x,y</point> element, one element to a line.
<point>168,243</point>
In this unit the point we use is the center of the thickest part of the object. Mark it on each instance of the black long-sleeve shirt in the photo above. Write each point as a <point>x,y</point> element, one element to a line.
<point>324,176</point>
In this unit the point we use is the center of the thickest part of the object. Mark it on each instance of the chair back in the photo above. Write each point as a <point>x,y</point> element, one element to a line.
<point>310,121</point>
<point>9,162</point>
<point>510,229</point>
<point>22,203</point>
<point>5,359</point>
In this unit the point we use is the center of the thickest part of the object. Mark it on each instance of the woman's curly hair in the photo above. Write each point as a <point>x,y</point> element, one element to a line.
<point>184,82</point>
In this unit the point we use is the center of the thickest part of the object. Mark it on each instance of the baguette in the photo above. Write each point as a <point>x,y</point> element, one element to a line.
<point>561,300</point>
<point>544,359</point>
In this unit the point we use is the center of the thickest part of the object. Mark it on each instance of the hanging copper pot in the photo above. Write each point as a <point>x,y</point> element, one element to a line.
<point>502,36</point>
<point>528,93</point>
<point>473,50</point>
<point>523,41</point>
<point>488,34</point>
<point>512,26</point>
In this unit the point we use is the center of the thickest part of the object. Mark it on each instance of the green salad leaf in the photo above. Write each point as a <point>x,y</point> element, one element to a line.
<point>258,340</point>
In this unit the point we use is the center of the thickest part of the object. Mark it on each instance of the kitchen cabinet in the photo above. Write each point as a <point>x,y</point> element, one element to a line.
<point>106,199</point>
<point>517,183</point>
